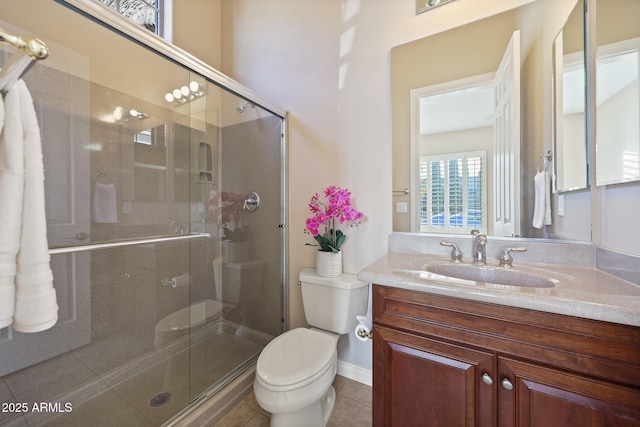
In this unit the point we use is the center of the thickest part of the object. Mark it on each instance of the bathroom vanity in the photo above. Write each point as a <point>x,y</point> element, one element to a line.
<point>452,352</point>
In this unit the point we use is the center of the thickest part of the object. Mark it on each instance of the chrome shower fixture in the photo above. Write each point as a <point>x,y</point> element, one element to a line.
<point>243,107</point>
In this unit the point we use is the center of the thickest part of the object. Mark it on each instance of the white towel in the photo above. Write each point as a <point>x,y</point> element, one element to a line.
<point>11,194</point>
<point>539,182</point>
<point>27,296</point>
<point>105,209</point>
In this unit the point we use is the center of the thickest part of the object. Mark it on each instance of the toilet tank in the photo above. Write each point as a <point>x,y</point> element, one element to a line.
<point>332,304</point>
<point>237,282</point>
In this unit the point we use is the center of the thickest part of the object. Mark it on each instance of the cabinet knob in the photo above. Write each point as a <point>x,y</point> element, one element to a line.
<point>506,384</point>
<point>486,378</point>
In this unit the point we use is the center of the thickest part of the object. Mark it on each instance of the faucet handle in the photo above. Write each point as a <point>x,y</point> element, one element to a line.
<point>456,255</point>
<point>475,232</point>
<point>506,260</point>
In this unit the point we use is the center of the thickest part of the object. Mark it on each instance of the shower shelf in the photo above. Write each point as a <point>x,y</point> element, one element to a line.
<point>122,243</point>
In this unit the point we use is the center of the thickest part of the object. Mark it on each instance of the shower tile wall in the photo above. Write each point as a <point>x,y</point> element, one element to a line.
<point>127,289</point>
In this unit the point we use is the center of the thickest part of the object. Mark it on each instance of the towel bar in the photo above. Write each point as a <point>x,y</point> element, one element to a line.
<point>30,46</point>
<point>29,50</point>
<point>123,243</point>
<point>405,191</point>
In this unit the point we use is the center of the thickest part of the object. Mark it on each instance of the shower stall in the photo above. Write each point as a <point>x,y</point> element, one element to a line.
<point>165,201</point>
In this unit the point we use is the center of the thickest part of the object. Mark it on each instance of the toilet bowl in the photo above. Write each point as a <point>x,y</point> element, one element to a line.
<point>177,324</point>
<point>294,378</point>
<point>295,371</point>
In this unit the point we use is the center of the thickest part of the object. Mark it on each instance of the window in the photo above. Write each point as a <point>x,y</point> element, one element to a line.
<point>143,12</point>
<point>453,192</point>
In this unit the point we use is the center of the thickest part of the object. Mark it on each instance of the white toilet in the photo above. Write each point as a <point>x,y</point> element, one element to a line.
<point>237,282</point>
<point>295,371</point>
<point>177,324</point>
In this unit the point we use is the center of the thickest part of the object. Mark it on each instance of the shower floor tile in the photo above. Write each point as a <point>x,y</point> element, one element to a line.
<point>118,393</point>
<point>107,409</point>
<point>110,352</point>
<point>49,379</point>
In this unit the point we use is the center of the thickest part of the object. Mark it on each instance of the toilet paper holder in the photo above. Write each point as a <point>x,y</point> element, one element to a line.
<point>362,333</point>
<point>176,282</point>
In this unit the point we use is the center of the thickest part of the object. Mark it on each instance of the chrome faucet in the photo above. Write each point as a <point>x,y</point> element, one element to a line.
<point>506,260</point>
<point>479,248</point>
<point>456,255</point>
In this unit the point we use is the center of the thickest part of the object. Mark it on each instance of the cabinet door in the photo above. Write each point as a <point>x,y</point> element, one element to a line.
<point>423,382</point>
<point>543,397</point>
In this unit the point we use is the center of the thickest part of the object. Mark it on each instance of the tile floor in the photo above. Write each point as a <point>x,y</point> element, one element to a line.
<point>353,408</point>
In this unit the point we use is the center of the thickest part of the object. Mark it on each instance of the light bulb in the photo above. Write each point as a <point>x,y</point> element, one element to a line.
<point>168,97</point>
<point>134,113</point>
<point>194,86</point>
<point>117,113</point>
<point>177,94</point>
<point>185,90</point>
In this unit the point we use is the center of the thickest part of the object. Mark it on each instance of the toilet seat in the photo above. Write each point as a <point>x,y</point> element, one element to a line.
<point>295,359</point>
<point>191,316</point>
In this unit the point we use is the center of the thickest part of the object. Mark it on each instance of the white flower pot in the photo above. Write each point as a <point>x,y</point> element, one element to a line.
<point>329,264</point>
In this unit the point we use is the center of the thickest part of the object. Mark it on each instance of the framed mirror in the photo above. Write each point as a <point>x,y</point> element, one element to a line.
<point>458,60</point>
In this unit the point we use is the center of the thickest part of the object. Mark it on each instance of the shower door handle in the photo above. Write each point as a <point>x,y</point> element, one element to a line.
<point>252,202</point>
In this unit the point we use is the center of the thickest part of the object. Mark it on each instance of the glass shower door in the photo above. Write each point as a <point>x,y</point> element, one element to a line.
<point>168,283</point>
<point>237,178</point>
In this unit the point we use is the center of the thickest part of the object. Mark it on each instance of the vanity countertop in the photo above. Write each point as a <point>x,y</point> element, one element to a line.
<point>579,291</point>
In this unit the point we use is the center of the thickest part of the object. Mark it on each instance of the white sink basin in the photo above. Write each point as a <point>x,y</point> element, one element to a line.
<point>488,274</point>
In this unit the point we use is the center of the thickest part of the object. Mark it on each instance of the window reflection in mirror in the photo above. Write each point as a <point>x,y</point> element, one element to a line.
<point>453,124</point>
<point>453,192</point>
<point>617,91</point>
<point>150,162</point>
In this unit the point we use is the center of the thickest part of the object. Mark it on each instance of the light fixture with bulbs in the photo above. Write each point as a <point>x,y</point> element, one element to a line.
<point>138,114</point>
<point>119,115</point>
<point>184,93</point>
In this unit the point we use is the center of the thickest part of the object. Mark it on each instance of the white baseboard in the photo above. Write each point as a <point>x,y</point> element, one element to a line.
<point>355,372</point>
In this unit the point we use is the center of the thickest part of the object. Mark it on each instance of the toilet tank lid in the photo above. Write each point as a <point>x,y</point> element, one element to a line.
<point>239,265</point>
<point>346,281</point>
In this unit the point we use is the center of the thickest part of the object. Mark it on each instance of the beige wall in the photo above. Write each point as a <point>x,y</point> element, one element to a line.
<point>197,29</point>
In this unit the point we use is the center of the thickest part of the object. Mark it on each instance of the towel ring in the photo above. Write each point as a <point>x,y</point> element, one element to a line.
<point>547,158</point>
<point>102,174</point>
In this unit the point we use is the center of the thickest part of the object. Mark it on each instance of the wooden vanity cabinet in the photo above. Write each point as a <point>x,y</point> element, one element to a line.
<point>442,361</point>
